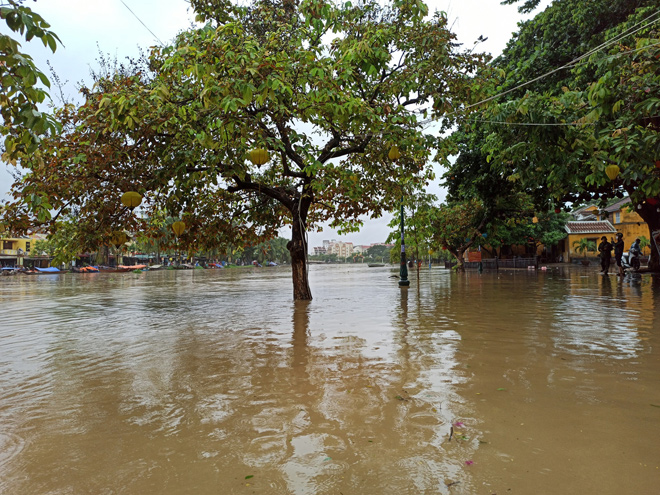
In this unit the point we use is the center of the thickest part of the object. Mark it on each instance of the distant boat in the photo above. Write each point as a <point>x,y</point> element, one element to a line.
<point>375,265</point>
<point>114,269</point>
<point>130,268</point>
<point>50,269</point>
<point>85,269</point>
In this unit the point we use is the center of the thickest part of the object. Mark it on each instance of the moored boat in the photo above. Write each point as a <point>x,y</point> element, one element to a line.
<point>125,268</point>
<point>85,269</point>
<point>114,269</point>
<point>50,269</point>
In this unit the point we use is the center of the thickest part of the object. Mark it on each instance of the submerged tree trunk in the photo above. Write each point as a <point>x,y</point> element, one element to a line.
<point>297,247</point>
<point>460,264</point>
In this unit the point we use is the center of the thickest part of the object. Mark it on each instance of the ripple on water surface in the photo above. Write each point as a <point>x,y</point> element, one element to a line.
<point>179,382</point>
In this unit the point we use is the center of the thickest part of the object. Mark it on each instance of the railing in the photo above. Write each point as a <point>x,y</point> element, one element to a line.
<point>496,264</point>
<point>9,252</point>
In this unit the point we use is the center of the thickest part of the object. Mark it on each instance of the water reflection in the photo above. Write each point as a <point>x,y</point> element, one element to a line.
<point>186,382</point>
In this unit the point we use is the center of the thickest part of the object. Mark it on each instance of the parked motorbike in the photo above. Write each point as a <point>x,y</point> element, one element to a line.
<point>630,260</point>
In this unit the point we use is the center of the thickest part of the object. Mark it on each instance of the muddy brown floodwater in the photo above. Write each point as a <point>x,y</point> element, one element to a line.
<point>216,382</point>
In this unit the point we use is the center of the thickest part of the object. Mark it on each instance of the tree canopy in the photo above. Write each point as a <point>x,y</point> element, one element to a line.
<point>587,104</point>
<point>20,93</point>
<point>325,89</point>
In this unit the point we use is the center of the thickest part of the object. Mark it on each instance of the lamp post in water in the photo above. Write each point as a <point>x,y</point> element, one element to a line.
<point>178,227</point>
<point>394,154</point>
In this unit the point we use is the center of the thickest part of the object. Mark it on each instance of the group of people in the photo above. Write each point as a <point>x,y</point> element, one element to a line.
<point>605,250</point>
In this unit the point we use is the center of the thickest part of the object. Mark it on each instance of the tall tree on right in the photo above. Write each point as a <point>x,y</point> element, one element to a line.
<point>573,128</point>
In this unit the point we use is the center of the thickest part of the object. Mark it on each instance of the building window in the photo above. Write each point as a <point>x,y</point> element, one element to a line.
<point>617,217</point>
<point>27,247</point>
<point>7,245</point>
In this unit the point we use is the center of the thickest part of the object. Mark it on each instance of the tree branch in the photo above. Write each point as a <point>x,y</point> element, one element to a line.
<point>272,192</point>
<point>359,148</point>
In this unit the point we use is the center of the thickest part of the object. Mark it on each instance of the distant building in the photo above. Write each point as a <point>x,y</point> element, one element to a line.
<point>628,222</point>
<point>361,248</point>
<point>585,214</point>
<point>592,230</point>
<point>346,249</point>
<point>341,249</point>
<point>592,223</point>
<point>19,251</point>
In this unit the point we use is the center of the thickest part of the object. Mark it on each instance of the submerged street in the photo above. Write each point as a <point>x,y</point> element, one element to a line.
<point>215,381</point>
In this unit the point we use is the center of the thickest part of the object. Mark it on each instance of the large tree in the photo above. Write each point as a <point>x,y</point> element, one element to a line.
<point>21,82</point>
<point>459,225</point>
<point>326,89</point>
<point>612,122</point>
<point>566,120</point>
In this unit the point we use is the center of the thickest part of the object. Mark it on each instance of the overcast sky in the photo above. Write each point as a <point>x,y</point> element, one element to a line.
<point>85,26</point>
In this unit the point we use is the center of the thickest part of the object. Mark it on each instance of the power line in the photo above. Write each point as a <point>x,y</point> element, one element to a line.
<point>549,124</point>
<point>573,62</point>
<point>147,28</point>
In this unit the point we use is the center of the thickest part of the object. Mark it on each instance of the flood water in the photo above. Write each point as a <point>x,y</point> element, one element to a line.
<point>216,382</point>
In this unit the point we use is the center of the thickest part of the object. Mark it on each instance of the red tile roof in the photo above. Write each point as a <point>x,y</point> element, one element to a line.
<point>590,228</point>
<point>618,205</point>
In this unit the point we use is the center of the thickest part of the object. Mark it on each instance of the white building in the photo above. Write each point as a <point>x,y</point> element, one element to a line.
<point>341,249</point>
<point>361,248</point>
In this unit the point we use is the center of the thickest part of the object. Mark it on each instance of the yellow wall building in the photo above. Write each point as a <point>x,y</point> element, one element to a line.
<point>594,223</point>
<point>629,223</point>
<point>592,230</point>
<point>15,250</point>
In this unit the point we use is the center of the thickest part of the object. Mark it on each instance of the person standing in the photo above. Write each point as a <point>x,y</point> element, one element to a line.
<point>605,249</point>
<point>618,252</point>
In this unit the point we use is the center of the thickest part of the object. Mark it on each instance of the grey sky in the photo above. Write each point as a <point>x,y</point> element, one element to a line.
<point>87,26</point>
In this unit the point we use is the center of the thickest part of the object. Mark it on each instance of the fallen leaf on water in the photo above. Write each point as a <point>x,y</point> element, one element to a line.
<point>655,405</point>
<point>501,389</point>
<point>469,463</point>
<point>458,424</point>
<point>249,476</point>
